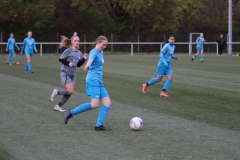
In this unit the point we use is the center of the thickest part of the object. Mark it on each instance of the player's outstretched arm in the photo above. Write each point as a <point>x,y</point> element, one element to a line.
<point>24,45</point>
<point>175,57</point>
<point>86,67</point>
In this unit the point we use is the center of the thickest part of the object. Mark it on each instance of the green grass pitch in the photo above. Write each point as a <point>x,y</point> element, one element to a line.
<point>200,119</point>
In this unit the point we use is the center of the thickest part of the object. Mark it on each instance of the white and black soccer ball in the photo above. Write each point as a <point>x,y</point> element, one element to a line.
<point>136,123</point>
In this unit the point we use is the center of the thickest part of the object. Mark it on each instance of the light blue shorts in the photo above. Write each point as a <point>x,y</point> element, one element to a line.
<point>28,54</point>
<point>96,89</point>
<point>163,70</point>
<point>11,51</point>
<point>199,48</point>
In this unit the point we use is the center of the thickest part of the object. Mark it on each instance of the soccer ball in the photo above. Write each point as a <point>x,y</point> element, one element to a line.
<point>136,123</point>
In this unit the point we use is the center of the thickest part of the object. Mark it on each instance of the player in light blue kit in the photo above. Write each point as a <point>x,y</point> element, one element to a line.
<point>10,47</point>
<point>29,46</point>
<point>94,86</point>
<point>164,67</point>
<point>200,42</point>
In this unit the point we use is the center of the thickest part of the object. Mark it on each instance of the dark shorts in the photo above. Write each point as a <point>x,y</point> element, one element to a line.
<point>66,79</point>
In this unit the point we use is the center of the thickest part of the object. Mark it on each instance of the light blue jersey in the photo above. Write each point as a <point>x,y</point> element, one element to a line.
<point>11,43</point>
<point>96,68</point>
<point>164,64</point>
<point>166,54</point>
<point>200,41</point>
<point>29,45</point>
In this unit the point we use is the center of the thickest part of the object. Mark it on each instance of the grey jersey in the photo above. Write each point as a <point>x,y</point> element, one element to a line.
<point>71,56</point>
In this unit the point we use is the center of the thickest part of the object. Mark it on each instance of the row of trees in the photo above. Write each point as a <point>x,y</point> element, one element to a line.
<point>150,18</point>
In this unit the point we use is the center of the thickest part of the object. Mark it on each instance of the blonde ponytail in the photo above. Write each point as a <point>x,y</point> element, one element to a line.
<point>99,40</point>
<point>65,42</point>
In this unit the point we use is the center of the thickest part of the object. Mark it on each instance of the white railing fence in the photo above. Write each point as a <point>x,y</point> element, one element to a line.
<point>190,45</point>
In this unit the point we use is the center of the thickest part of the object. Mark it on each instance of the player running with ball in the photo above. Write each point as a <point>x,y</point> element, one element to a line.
<point>164,67</point>
<point>94,86</point>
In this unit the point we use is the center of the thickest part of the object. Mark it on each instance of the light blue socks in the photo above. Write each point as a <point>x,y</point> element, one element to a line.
<point>167,84</point>
<point>82,108</point>
<point>8,59</point>
<point>14,59</point>
<point>102,114</point>
<point>152,81</point>
<point>29,66</point>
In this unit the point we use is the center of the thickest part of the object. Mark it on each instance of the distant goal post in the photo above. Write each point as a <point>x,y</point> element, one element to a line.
<point>192,41</point>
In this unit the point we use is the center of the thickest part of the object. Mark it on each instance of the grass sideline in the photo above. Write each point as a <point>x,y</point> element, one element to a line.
<point>200,120</point>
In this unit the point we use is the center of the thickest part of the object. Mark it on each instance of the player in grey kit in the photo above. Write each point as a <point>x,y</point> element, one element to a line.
<point>71,58</point>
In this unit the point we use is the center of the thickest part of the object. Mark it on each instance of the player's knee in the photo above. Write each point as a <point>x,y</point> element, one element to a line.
<point>108,103</point>
<point>170,77</point>
<point>94,104</point>
<point>71,91</point>
<point>159,78</point>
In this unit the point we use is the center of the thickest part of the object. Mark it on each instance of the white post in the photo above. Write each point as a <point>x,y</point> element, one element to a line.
<point>111,41</point>
<point>190,44</point>
<point>230,27</point>
<point>1,42</point>
<point>84,38</point>
<point>57,41</point>
<point>160,47</point>
<point>131,49</point>
<point>217,48</point>
<point>41,49</point>
<point>138,42</point>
